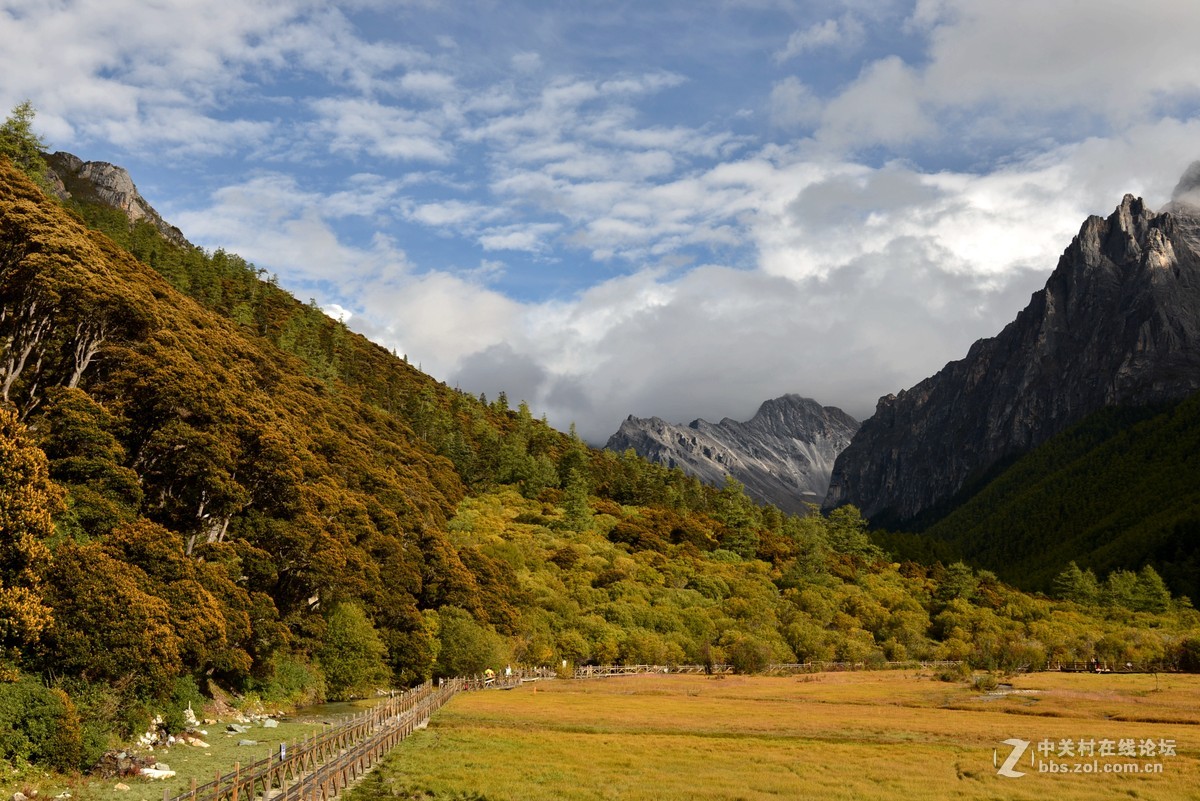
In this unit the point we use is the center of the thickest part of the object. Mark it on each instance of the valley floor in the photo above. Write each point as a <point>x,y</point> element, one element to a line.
<point>872,735</point>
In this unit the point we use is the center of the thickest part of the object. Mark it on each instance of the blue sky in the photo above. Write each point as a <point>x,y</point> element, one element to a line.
<point>677,209</point>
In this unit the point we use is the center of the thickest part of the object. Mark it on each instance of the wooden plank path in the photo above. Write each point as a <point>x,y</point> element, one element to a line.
<point>319,768</point>
<point>312,768</point>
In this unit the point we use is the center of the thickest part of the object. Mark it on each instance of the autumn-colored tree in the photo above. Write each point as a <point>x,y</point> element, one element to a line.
<point>85,456</point>
<point>27,500</point>
<point>106,626</point>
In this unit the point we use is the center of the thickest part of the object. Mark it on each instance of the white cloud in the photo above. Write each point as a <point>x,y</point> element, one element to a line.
<point>1117,59</point>
<point>527,237</point>
<point>793,105</point>
<point>884,106</point>
<point>1022,71</point>
<point>357,126</point>
<point>437,319</point>
<point>452,213</point>
<point>428,84</point>
<point>271,221</point>
<point>845,33</point>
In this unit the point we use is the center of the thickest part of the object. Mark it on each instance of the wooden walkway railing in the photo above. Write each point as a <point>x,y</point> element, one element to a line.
<point>319,768</point>
<point>311,768</point>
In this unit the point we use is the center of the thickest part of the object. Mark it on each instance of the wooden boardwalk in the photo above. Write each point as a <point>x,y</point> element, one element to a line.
<point>320,767</point>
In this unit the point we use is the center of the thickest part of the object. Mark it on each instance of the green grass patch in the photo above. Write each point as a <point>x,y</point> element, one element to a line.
<point>187,761</point>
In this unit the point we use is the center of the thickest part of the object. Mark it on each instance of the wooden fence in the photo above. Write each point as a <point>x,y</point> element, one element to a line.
<point>320,767</point>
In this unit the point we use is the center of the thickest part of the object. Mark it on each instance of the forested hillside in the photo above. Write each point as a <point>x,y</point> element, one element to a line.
<point>1119,490</point>
<point>206,484</point>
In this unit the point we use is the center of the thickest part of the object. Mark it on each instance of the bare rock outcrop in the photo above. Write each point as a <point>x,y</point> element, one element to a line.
<point>99,181</point>
<point>1118,323</point>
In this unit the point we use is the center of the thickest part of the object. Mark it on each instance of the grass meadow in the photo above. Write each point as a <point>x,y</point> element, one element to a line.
<point>188,761</point>
<point>853,736</point>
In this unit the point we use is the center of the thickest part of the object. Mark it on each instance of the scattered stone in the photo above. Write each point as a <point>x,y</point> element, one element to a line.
<point>117,764</point>
<point>161,766</point>
<point>121,787</point>
<point>65,794</point>
<point>270,723</point>
<point>19,796</point>
<point>247,742</point>
<point>154,773</point>
<point>237,728</point>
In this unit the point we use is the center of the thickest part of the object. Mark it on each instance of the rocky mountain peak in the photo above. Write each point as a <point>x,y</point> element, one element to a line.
<point>1118,322</point>
<point>783,454</point>
<point>99,181</point>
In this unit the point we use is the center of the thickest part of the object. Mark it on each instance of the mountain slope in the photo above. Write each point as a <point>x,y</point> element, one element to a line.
<point>71,177</point>
<point>1117,491</point>
<point>1118,323</point>
<point>215,483</point>
<point>783,455</point>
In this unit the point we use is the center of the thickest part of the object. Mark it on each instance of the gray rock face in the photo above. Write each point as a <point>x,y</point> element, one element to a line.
<point>783,455</point>
<point>71,177</point>
<point>1118,322</point>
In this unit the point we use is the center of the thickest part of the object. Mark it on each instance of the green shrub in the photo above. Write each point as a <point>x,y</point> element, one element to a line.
<point>954,672</point>
<point>466,646</point>
<point>39,725</point>
<point>352,655</point>
<point>294,680</point>
<point>748,655</point>
<point>185,693</point>
<point>986,683</point>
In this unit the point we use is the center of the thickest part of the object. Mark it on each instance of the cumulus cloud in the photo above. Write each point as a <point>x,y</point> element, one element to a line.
<point>1021,71</point>
<point>274,222</point>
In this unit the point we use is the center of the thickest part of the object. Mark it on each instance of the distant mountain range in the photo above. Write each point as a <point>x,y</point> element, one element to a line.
<point>1069,436</point>
<point>783,455</point>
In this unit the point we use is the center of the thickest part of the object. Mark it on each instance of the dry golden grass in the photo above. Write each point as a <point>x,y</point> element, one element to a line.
<point>828,736</point>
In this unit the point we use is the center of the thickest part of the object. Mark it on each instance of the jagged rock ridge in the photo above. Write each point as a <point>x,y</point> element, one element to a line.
<point>1118,322</point>
<point>783,455</point>
<point>72,177</point>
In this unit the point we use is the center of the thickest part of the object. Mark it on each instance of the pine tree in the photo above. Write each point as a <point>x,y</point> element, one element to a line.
<point>575,501</point>
<point>22,146</point>
<point>1080,586</point>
